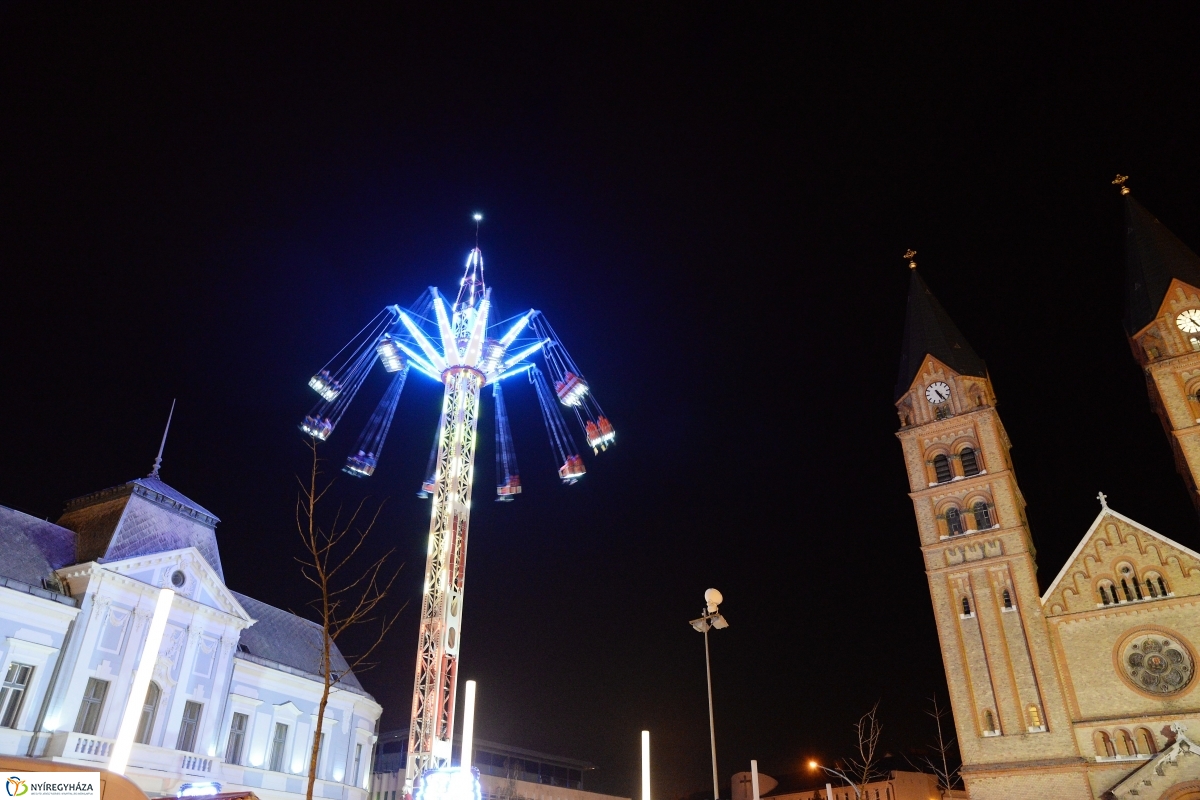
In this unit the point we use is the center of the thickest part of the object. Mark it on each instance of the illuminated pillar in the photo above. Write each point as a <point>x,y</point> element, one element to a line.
<point>468,740</point>
<point>754,777</point>
<point>141,682</point>
<point>645,765</point>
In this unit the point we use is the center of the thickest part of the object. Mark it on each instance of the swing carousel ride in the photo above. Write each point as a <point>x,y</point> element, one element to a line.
<point>458,345</point>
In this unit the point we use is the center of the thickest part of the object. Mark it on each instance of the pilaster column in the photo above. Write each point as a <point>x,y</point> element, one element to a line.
<point>65,707</point>
<point>118,694</point>
<point>186,666</point>
<point>214,720</point>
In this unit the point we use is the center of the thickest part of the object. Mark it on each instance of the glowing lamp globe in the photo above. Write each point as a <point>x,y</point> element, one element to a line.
<point>713,598</point>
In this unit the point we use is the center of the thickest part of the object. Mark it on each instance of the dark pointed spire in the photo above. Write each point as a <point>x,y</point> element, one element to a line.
<point>928,330</point>
<point>1153,257</point>
<point>158,460</point>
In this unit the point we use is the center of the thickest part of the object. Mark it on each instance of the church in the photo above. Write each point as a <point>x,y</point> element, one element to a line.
<point>236,682</point>
<point>1084,688</point>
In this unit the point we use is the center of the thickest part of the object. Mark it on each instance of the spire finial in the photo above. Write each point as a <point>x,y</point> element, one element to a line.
<point>1103,498</point>
<point>911,255</point>
<point>1120,181</point>
<point>158,459</point>
<point>478,217</point>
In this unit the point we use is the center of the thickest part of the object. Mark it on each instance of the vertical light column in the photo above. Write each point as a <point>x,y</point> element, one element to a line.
<point>141,682</point>
<point>468,739</point>
<point>645,765</point>
<point>754,777</point>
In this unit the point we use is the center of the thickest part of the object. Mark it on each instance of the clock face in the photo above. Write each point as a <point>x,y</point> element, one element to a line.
<point>1189,321</point>
<point>939,392</point>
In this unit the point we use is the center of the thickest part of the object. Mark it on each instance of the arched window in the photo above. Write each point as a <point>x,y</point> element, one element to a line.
<point>1145,742</point>
<point>1104,595</point>
<point>1035,717</point>
<point>1104,745</point>
<point>1125,744</point>
<point>970,461</point>
<point>983,515</point>
<point>954,523</point>
<point>989,721</point>
<point>1125,589</point>
<point>149,710</point>
<point>1007,599</point>
<point>966,604</point>
<point>1162,585</point>
<point>1150,588</point>
<point>941,468</point>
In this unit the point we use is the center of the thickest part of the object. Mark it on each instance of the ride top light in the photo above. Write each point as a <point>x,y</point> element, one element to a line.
<point>449,783</point>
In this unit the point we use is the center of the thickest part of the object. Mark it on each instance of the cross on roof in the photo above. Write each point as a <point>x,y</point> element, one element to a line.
<point>1103,498</point>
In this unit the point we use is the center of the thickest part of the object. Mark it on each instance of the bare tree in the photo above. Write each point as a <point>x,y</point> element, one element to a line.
<point>942,756</point>
<point>349,594</point>
<point>510,791</point>
<point>863,766</point>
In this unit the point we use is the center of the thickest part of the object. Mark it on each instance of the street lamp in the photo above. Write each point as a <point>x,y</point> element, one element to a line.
<point>836,773</point>
<point>711,619</point>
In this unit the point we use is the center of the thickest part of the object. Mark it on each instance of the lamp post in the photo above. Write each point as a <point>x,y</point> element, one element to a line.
<point>838,774</point>
<point>711,619</point>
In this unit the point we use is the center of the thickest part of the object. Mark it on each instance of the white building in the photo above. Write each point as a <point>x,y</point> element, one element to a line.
<point>236,683</point>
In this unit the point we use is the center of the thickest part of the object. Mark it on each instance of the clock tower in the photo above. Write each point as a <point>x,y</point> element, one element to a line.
<point>1005,688</point>
<point>1162,320</point>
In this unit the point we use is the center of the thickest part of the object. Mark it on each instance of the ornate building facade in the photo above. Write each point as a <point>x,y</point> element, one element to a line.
<point>1085,688</point>
<point>236,682</point>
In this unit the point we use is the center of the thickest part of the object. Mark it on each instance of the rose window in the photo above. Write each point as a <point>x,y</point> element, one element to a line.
<point>1157,664</point>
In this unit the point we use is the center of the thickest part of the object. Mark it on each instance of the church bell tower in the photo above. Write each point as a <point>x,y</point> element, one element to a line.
<point>1162,320</point>
<point>1008,703</point>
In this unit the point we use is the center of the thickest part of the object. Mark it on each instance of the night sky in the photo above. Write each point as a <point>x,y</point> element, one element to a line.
<point>710,203</point>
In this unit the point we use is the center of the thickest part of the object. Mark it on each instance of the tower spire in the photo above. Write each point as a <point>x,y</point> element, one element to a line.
<point>1153,258</point>
<point>163,444</point>
<point>929,331</point>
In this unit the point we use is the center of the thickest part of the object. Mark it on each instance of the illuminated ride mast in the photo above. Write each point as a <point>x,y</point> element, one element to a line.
<point>454,348</point>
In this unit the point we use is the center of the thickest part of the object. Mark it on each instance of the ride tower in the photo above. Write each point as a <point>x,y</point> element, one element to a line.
<point>450,343</point>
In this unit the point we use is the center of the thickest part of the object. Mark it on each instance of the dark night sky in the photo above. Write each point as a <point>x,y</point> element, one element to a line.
<point>710,203</point>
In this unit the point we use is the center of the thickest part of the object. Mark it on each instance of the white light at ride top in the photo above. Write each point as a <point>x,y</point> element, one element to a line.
<point>477,217</point>
<point>141,683</point>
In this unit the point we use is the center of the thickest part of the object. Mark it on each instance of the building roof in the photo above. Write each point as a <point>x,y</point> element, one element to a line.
<point>283,638</point>
<point>33,548</point>
<point>151,486</point>
<point>928,330</point>
<point>140,517</point>
<point>1153,257</point>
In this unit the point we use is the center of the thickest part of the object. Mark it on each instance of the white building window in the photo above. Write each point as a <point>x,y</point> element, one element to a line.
<point>278,747</point>
<point>91,706</point>
<point>12,693</point>
<point>149,711</point>
<point>187,728</point>
<point>357,763</point>
<point>237,737</point>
